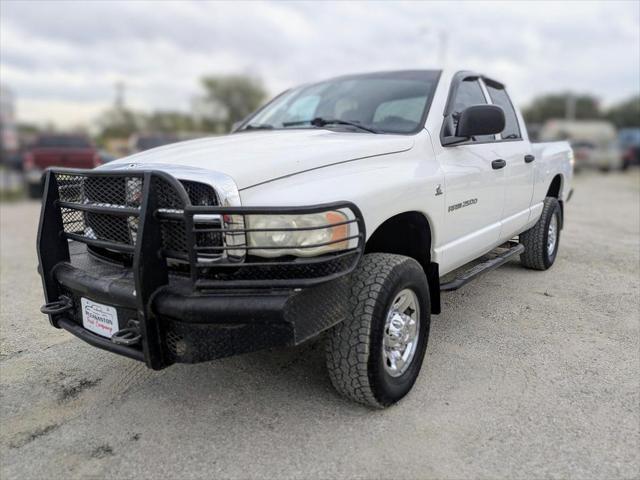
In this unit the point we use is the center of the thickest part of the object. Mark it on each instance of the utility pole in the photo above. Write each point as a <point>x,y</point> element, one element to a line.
<point>570,107</point>
<point>441,36</point>
<point>443,44</point>
<point>119,101</point>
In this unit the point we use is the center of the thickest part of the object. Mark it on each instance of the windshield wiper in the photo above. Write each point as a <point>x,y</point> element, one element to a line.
<point>258,126</point>
<point>323,122</point>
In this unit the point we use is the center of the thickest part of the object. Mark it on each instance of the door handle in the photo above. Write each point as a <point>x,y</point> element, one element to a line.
<point>529,158</point>
<point>498,164</point>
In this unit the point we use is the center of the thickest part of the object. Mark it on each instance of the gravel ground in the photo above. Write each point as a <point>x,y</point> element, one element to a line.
<point>527,375</point>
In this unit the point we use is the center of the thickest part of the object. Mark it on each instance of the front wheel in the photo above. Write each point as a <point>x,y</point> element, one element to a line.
<point>541,241</point>
<point>375,355</point>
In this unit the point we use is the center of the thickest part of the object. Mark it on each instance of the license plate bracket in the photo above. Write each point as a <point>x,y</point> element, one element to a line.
<point>99,318</point>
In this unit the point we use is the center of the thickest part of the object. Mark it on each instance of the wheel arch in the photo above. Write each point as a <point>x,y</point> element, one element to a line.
<point>409,233</point>
<point>555,191</point>
<point>555,187</point>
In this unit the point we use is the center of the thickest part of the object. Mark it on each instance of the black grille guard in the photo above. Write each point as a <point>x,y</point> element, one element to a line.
<point>210,269</point>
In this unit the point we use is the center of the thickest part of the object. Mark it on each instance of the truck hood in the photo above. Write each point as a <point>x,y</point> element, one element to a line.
<point>252,158</point>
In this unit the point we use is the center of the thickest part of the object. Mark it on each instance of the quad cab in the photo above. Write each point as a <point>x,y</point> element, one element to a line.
<point>343,207</point>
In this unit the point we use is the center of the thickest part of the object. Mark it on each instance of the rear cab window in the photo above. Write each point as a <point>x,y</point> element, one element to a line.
<point>407,109</point>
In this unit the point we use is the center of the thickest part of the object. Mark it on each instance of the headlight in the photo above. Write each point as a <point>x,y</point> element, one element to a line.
<point>300,235</point>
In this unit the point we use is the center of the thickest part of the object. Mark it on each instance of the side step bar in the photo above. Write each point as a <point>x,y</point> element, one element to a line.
<point>484,267</point>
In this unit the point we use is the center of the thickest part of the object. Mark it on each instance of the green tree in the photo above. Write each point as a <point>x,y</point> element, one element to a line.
<point>562,105</point>
<point>625,113</point>
<point>170,122</point>
<point>228,99</point>
<point>118,123</point>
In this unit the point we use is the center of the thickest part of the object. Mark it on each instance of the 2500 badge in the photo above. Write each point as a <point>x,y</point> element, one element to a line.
<point>466,203</point>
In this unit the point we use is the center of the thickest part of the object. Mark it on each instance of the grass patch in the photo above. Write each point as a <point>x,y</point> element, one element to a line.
<point>12,195</point>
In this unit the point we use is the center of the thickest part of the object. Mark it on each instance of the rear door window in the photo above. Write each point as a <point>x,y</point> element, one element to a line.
<point>499,97</point>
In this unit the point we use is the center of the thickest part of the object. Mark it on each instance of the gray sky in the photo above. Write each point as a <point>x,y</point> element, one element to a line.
<point>62,59</point>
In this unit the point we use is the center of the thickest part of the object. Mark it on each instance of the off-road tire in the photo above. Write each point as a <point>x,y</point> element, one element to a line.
<point>535,253</point>
<point>354,347</point>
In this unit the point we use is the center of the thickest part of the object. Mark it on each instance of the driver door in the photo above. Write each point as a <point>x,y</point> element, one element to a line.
<point>474,190</point>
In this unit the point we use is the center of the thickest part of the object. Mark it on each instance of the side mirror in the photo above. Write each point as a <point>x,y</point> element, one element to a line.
<point>480,120</point>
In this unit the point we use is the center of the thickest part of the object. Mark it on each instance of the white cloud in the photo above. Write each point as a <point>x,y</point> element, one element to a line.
<point>62,59</point>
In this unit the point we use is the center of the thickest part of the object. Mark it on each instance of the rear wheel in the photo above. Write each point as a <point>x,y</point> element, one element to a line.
<point>541,241</point>
<point>375,355</point>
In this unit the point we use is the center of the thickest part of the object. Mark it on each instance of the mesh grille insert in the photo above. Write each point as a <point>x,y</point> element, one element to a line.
<point>126,192</point>
<point>101,191</point>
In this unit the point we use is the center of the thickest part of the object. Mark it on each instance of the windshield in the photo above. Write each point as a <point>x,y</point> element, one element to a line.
<point>63,141</point>
<point>394,102</point>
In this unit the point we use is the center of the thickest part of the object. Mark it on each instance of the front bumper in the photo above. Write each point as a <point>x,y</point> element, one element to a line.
<point>178,316</point>
<point>194,327</point>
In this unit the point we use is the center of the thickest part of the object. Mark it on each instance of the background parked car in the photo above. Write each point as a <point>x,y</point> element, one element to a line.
<point>629,140</point>
<point>73,151</point>
<point>595,142</point>
<point>106,157</point>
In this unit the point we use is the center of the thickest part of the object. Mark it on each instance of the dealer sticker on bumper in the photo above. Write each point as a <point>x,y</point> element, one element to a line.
<point>100,319</point>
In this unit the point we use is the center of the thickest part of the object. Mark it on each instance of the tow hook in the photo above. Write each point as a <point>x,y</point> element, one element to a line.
<point>61,305</point>
<point>128,336</point>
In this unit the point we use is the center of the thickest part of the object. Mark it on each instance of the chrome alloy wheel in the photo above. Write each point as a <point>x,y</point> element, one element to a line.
<point>401,331</point>
<point>552,236</point>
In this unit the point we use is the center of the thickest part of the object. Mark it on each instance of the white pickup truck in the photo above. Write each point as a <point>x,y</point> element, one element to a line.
<point>339,207</point>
